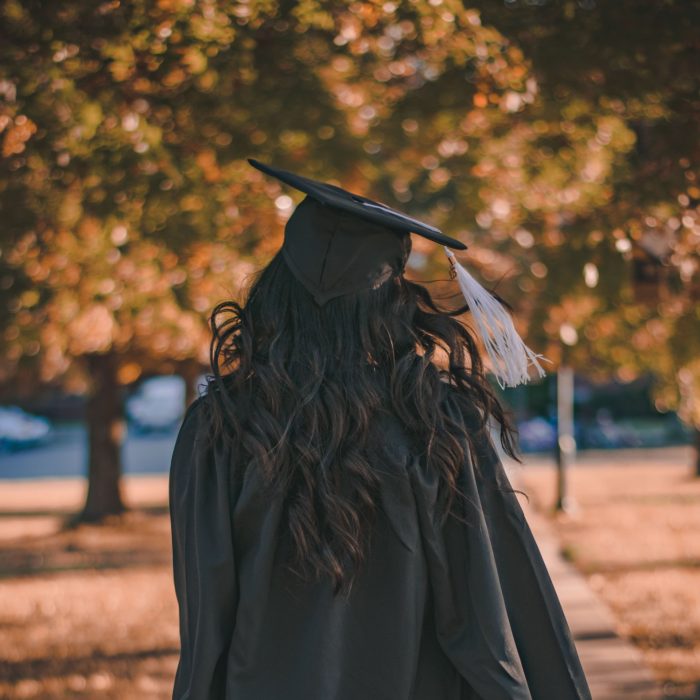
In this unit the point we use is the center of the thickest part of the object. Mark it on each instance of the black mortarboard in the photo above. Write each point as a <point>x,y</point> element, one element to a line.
<point>337,242</point>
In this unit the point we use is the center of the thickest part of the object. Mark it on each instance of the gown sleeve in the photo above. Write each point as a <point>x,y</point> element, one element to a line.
<point>497,614</point>
<point>203,562</point>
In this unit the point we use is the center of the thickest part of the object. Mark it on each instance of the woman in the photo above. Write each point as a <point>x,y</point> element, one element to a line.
<point>342,526</point>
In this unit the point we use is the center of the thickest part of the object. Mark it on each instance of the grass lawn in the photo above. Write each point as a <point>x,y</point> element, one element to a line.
<point>91,612</point>
<point>636,535</point>
<point>85,613</point>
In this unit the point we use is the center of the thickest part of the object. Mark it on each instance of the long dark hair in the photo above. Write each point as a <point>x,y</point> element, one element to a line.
<point>295,387</point>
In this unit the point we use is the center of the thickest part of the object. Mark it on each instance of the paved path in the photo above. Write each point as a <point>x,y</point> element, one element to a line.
<point>614,668</point>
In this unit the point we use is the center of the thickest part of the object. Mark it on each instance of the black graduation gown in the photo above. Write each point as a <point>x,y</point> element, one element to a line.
<point>439,613</point>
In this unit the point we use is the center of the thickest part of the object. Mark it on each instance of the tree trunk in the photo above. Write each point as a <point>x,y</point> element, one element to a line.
<point>696,435</point>
<point>189,372</point>
<point>105,428</point>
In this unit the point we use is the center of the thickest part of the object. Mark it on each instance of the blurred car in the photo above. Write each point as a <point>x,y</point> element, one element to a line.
<point>609,435</point>
<point>157,405</point>
<point>537,435</point>
<point>19,429</point>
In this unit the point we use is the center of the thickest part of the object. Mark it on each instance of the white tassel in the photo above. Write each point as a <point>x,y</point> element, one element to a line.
<point>509,356</point>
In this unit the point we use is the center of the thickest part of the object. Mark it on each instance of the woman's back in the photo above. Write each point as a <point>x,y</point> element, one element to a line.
<point>464,610</point>
<point>342,526</point>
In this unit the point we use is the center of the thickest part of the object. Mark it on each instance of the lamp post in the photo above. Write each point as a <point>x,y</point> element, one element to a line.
<point>566,441</point>
<point>565,450</point>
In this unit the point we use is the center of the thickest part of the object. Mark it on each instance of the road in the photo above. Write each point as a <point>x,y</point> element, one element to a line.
<point>66,455</point>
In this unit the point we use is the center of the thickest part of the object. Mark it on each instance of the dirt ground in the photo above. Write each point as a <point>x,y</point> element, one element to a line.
<point>635,534</point>
<point>91,612</point>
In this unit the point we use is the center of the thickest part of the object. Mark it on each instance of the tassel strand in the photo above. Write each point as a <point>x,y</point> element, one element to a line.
<point>510,358</point>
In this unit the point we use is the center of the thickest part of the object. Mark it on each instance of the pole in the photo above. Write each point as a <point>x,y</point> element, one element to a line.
<point>566,441</point>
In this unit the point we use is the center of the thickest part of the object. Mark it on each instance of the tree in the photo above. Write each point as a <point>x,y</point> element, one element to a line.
<point>627,281</point>
<point>128,206</point>
<point>579,197</point>
<point>129,209</point>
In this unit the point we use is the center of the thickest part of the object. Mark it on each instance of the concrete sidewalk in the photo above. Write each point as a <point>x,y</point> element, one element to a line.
<point>614,668</point>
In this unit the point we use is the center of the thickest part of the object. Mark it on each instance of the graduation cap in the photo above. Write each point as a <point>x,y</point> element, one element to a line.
<point>337,242</point>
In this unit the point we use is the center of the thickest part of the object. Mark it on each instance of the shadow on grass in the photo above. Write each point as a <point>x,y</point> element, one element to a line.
<point>138,537</point>
<point>690,691</point>
<point>112,561</point>
<point>69,514</point>
<point>119,664</point>
<point>633,567</point>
